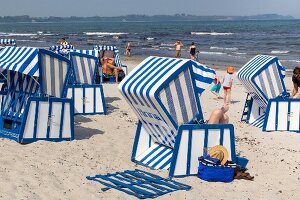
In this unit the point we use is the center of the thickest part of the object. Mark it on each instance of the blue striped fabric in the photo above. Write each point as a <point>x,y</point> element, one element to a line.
<point>259,122</point>
<point>11,42</point>
<point>61,47</point>
<point>204,76</point>
<point>263,75</point>
<point>20,59</point>
<point>163,95</point>
<point>88,52</point>
<point>110,48</point>
<point>157,157</point>
<point>54,72</point>
<point>20,87</point>
<point>84,67</point>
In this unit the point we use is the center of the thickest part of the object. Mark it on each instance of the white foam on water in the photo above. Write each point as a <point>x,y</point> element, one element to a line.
<point>210,33</point>
<point>279,52</point>
<point>103,33</point>
<point>225,48</point>
<point>212,53</point>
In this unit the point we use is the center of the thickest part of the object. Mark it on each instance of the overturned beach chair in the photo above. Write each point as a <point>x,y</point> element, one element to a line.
<point>267,104</point>
<point>33,107</point>
<point>164,93</point>
<point>62,49</point>
<point>88,96</point>
<point>110,78</point>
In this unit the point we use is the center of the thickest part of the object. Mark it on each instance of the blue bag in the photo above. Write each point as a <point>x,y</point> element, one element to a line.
<point>209,170</point>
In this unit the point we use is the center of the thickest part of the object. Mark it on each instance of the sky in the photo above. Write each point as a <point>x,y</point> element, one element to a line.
<point>107,8</point>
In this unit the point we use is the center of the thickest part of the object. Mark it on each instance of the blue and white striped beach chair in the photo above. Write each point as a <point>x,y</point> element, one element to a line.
<point>263,78</point>
<point>164,93</point>
<point>117,61</point>
<point>33,107</point>
<point>88,96</point>
<point>62,49</point>
<point>8,42</point>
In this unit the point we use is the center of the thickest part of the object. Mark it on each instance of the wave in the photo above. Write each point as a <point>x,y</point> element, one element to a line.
<point>212,53</point>
<point>18,34</point>
<point>150,38</point>
<point>279,52</point>
<point>295,61</point>
<point>210,33</point>
<point>103,33</point>
<point>167,45</point>
<point>224,48</point>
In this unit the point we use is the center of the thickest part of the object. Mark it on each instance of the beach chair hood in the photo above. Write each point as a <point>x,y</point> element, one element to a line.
<point>11,42</point>
<point>20,59</point>
<point>164,94</point>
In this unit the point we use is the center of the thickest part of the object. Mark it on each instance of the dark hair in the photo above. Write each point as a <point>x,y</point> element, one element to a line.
<point>296,71</point>
<point>193,43</point>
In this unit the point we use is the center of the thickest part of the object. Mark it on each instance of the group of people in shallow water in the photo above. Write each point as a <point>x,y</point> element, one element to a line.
<point>192,50</point>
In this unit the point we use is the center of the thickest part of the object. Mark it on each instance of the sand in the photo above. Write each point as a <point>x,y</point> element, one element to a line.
<point>103,144</point>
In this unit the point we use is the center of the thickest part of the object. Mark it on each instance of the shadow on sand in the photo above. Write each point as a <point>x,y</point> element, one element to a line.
<point>81,132</point>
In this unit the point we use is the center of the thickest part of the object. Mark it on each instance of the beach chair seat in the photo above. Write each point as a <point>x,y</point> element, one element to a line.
<point>164,94</point>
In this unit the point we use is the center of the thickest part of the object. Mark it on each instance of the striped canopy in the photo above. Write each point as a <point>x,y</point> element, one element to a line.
<point>8,42</point>
<point>87,52</point>
<point>110,48</point>
<point>263,77</point>
<point>20,59</point>
<point>163,94</point>
<point>61,47</point>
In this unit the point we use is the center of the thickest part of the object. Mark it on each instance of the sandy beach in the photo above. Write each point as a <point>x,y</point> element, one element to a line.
<point>103,144</point>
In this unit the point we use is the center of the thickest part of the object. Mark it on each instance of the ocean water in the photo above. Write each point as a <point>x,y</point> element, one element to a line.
<point>218,42</point>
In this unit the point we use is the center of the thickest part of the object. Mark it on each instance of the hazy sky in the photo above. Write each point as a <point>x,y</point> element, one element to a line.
<point>42,8</point>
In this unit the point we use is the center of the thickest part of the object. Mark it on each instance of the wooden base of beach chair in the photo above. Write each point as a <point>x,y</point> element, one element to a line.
<point>191,142</point>
<point>282,115</point>
<point>88,99</point>
<point>49,119</point>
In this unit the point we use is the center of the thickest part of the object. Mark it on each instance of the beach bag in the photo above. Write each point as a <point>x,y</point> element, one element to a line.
<point>209,170</point>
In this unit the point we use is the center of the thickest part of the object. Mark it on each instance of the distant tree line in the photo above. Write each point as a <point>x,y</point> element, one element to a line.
<point>176,17</point>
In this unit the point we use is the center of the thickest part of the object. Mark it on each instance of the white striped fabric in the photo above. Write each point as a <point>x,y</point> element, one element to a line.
<point>20,87</point>
<point>156,157</point>
<point>84,67</point>
<point>163,95</point>
<point>61,47</point>
<point>20,59</point>
<point>263,75</point>
<point>110,48</point>
<point>204,76</point>
<point>54,73</point>
<point>88,52</point>
<point>12,42</point>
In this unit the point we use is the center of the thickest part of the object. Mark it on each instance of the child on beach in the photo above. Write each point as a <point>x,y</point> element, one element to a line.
<point>215,89</point>
<point>227,85</point>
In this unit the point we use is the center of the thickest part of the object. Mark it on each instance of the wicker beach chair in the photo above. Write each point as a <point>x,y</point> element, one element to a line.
<point>33,107</point>
<point>88,96</point>
<point>117,63</point>
<point>164,93</point>
<point>263,78</point>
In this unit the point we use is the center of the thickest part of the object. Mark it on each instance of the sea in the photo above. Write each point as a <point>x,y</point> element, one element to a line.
<point>218,42</point>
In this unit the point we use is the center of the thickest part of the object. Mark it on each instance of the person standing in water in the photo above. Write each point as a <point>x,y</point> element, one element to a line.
<point>128,49</point>
<point>193,51</point>
<point>178,44</point>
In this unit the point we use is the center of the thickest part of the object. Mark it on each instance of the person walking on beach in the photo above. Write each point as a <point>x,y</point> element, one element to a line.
<point>193,51</point>
<point>63,41</point>
<point>215,89</point>
<point>227,85</point>
<point>128,49</point>
<point>178,44</point>
<point>296,83</point>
